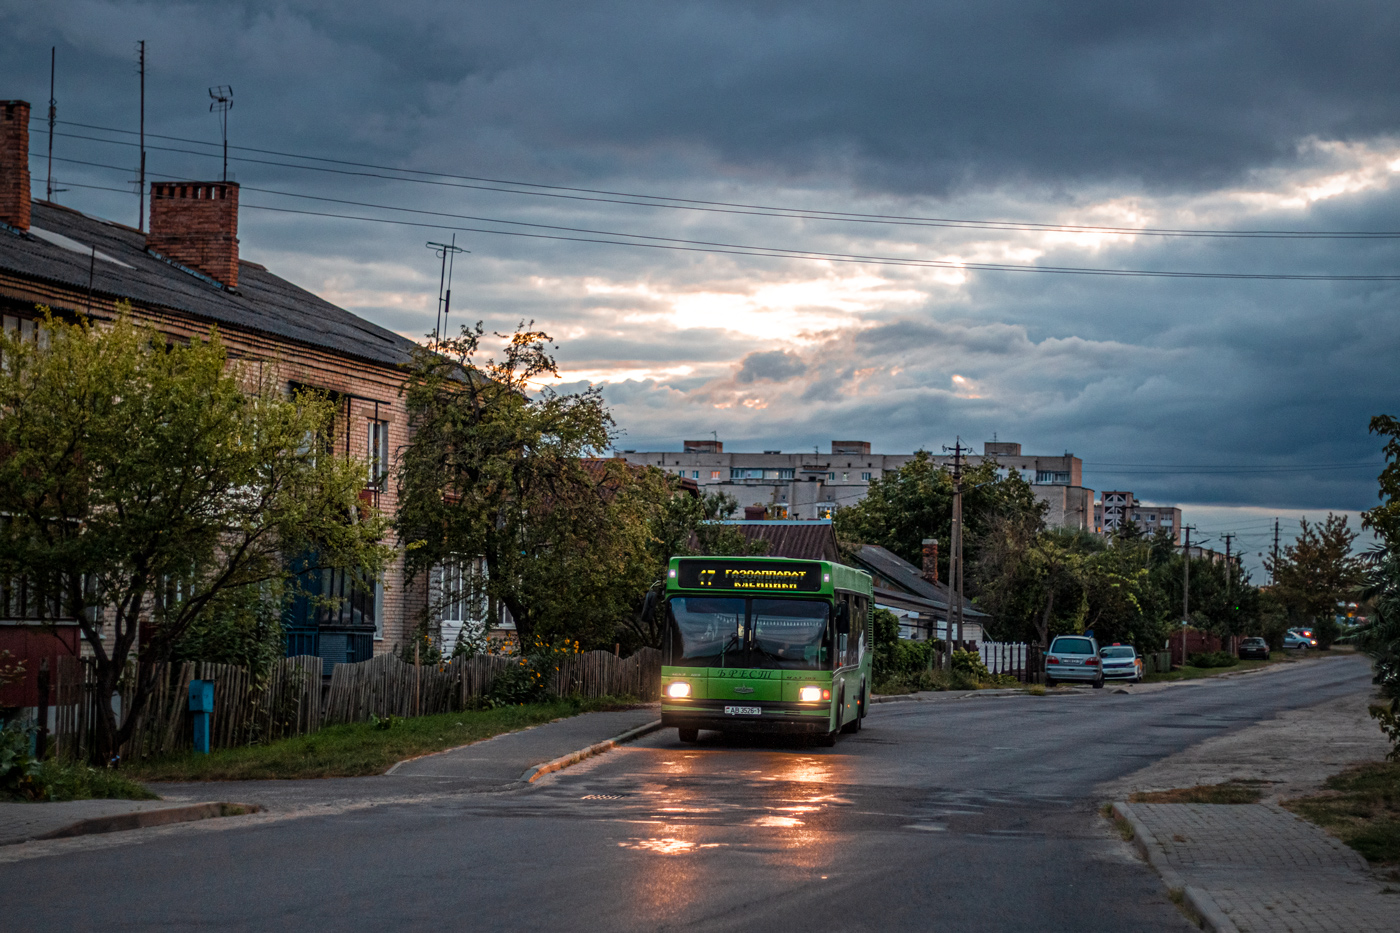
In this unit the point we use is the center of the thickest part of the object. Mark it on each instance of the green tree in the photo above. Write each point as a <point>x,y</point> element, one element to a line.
<point>1381,638</point>
<point>146,486</point>
<point>502,469</point>
<point>1317,572</point>
<point>685,526</point>
<point>903,507</point>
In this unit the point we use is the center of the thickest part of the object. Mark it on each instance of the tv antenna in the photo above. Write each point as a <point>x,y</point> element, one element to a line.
<point>221,102</point>
<point>448,253</point>
<point>49,189</point>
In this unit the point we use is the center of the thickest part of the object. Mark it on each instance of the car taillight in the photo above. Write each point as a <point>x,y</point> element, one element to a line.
<point>1092,661</point>
<point>678,690</point>
<point>1052,660</point>
<point>809,694</point>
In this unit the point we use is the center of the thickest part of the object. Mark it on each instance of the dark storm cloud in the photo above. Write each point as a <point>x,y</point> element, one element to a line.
<point>770,366</point>
<point>993,109</point>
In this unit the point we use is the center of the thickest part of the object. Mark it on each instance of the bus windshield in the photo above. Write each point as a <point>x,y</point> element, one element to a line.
<point>738,632</point>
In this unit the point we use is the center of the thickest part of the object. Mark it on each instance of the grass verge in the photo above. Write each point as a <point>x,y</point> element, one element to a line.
<point>1361,807</point>
<point>1231,792</point>
<point>59,780</point>
<point>1193,673</point>
<point>940,680</point>
<point>358,749</point>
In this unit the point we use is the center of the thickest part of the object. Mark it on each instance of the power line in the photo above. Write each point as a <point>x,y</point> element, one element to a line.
<point>634,199</point>
<point>617,238</point>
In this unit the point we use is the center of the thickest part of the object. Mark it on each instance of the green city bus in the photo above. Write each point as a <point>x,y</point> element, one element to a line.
<point>760,644</point>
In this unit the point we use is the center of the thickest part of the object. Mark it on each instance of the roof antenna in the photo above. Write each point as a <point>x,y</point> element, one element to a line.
<point>443,250</point>
<point>53,114</point>
<point>141,191</point>
<point>222,103</point>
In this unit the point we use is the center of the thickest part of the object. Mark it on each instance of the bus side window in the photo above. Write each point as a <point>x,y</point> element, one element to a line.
<point>861,619</point>
<point>843,628</point>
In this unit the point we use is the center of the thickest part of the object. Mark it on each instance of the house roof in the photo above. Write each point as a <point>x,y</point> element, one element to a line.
<point>59,249</point>
<point>909,579</point>
<point>801,540</point>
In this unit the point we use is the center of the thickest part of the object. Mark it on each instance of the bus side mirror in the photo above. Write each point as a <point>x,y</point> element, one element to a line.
<point>649,604</point>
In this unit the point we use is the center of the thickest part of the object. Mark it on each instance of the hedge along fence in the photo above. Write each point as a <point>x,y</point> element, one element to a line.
<point>293,701</point>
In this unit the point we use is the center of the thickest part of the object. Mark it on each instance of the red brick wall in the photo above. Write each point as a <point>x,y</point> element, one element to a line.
<point>14,163</point>
<point>195,223</point>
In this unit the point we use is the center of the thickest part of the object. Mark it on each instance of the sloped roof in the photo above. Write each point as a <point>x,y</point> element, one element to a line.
<point>910,579</point>
<point>59,250</point>
<point>814,540</point>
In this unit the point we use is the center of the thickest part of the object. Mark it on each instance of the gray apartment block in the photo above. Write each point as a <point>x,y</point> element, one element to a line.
<point>1118,507</point>
<point>813,485</point>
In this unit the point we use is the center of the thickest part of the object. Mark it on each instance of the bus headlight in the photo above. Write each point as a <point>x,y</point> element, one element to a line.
<point>809,694</point>
<point>678,690</point>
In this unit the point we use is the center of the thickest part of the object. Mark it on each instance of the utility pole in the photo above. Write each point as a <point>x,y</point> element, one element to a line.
<point>1229,573</point>
<point>1274,565</point>
<point>955,563</point>
<point>1186,590</point>
<point>141,184</point>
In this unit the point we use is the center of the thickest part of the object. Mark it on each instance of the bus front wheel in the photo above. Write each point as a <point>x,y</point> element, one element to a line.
<point>689,735</point>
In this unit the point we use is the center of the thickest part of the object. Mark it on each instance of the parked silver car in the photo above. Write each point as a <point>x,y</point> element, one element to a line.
<point>1073,659</point>
<point>1121,662</point>
<point>1299,641</point>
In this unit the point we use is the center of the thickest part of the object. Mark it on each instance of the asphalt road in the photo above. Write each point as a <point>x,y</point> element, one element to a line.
<point>976,814</point>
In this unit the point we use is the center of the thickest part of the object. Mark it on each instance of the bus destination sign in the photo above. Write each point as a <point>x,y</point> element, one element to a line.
<point>771,576</point>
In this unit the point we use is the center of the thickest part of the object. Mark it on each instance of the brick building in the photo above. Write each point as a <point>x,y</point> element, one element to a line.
<point>185,276</point>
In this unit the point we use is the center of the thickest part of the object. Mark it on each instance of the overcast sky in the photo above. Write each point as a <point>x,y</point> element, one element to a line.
<point>1184,115</point>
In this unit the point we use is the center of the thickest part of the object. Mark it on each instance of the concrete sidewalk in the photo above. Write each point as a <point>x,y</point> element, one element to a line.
<point>1256,868</point>
<point>503,763</point>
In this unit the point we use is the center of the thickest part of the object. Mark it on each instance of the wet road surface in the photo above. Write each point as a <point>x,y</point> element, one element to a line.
<point>976,814</point>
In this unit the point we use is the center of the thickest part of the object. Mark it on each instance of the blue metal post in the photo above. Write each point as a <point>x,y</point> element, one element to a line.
<point>202,705</point>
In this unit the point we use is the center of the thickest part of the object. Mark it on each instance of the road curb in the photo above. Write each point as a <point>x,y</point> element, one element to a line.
<point>1212,917</point>
<point>143,819</point>
<point>573,758</point>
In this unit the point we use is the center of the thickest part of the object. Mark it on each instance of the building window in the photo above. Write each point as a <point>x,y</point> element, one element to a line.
<point>865,476</point>
<point>714,474</point>
<point>1056,478</point>
<point>826,511</point>
<point>378,453</point>
<point>458,593</point>
<point>845,477</point>
<point>831,477</point>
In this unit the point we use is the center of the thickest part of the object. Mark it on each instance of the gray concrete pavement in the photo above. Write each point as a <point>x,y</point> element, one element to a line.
<point>501,763</point>
<point>979,814</point>
<point>1257,868</point>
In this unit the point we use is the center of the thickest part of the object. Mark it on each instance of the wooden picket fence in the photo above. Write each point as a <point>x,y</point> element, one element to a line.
<point>385,685</point>
<point>293,699</point>
<point>1017,659</point>
<point>287,703</point>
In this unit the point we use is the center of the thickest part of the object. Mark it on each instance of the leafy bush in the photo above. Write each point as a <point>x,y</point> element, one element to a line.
<point>1212,659</point>
<point>970,663</point>
<point>19,772</point>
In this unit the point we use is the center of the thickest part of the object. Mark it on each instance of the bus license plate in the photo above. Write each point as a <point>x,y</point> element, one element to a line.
<point>743,711</point>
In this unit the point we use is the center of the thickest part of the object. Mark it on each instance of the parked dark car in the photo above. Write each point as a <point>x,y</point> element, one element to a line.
<point>1254,648</point>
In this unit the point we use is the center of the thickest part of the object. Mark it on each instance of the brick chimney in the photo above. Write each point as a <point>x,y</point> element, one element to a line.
<point>14,163</point>
<point>195,223</point>
<point>930,560</point>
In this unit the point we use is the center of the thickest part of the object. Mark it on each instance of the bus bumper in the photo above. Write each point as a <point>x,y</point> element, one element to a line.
<point>775,720</point>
